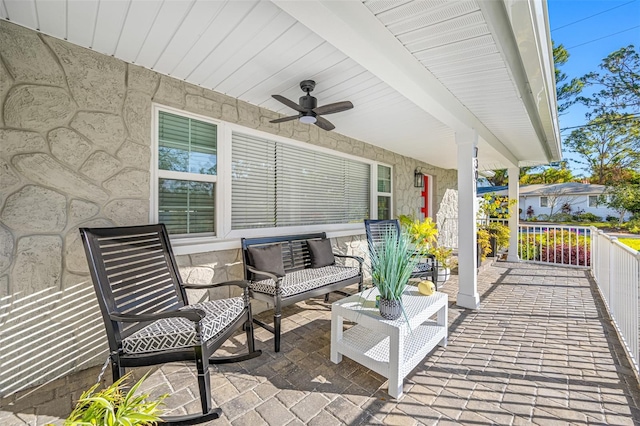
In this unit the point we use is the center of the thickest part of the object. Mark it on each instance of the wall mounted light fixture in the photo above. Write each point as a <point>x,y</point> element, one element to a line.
<point>418,179</point>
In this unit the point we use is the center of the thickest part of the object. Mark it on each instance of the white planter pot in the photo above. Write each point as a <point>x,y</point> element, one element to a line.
<point>443,274</point>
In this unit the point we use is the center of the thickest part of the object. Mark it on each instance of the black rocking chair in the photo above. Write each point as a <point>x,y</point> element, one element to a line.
<point>376,231</point>
<point>146,313</point>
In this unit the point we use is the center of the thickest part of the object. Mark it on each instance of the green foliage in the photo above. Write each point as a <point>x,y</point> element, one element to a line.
<point>422,233</point>
<point>392,263</point>
<point>484,243</point>
<point>585,217</point>
<point>113,407</point>
<point>534,246</point>
<point>549,175</point>
<point>607,146</point>
<point>566,90</point>
<point>443,256</point>
<point>500,232</point>
<point>495,206</point>
<point>624,198</point>
<point>632,226</point>
<point>618,82</point>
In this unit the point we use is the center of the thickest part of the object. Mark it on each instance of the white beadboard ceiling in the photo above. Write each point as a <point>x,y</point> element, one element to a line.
<point>252,49</point>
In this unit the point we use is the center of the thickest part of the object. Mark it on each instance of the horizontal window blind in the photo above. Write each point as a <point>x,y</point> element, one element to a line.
<point>186,207</point>
<point>276,185</point>
<point>186,145</point>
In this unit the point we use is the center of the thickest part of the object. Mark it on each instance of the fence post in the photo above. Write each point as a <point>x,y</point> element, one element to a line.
<point>612,304</point>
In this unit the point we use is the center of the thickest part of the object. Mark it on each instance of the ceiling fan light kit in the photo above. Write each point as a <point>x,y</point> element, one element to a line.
<point>307,107</point>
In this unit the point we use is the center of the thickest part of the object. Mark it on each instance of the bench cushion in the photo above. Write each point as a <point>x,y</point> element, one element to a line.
<point>306,279</point>
<point>171,333</point>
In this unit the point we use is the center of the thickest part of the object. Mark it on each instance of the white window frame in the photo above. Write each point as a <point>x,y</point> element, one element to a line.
<point>375,193</point>
<point>546,201</point>
<point>595,204</point>
<point>226,238</point>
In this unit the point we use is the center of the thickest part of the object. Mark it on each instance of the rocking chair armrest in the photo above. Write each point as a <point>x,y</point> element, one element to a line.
<point>239,283</point>
<point>271,275</point>
<point>356,258</point>
<point>191,314</point>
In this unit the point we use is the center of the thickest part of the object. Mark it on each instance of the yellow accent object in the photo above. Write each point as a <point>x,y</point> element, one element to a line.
<point>426,287</point>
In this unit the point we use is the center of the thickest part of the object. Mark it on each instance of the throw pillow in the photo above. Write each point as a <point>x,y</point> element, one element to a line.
<point>268,259</point>
<point>321,253</point>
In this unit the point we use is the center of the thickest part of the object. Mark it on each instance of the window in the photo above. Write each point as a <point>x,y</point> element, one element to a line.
<point>217,179</point>
<point>187,174</point>
<point>384,192</point>
<point>593,201</point>
<point>544,201</point>
<point>274,184</point>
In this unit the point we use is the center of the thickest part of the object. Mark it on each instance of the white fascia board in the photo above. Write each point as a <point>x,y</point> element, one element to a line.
<point>529,24</point>
<point>353,29</point>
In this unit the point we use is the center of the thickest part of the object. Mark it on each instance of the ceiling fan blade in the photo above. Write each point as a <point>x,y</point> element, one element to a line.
<point>333,108</point>
<point>283,119</point>
<point>324,124</point>
<point>289,103</point>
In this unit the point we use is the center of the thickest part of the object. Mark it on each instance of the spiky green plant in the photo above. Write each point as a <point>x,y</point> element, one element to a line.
<point>112,407</point>
<point>392,262</point>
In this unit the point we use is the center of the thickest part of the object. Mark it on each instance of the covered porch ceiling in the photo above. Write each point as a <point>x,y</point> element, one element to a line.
<point>416,71</point>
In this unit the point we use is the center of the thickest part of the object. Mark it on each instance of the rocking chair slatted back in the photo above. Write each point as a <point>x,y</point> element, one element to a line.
<point>133,266</point>
<point>377,230</point>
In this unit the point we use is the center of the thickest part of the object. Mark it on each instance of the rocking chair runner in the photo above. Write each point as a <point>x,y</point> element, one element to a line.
<point>146,313</point>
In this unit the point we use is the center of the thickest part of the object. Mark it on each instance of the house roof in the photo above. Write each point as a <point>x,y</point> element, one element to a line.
<point>417,72</point>
<point>569,188</point>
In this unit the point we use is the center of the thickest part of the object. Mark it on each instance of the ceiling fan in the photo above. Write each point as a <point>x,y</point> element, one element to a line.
<point>308,109</point>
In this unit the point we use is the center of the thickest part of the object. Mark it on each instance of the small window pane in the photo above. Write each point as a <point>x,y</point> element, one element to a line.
<point>593,201</point>
<point>544,202</point>
<point>384,179</point>
<point>186,207</point>
<point>186,145</point>
<point>384,207</point>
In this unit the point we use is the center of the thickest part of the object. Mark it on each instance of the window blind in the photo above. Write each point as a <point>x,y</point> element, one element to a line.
<point>276,185</point>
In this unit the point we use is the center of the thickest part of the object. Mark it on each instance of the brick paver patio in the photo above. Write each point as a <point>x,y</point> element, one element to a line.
<point>540,350</point>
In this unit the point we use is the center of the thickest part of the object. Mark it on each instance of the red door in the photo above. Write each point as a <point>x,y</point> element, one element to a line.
<point>425,197</point>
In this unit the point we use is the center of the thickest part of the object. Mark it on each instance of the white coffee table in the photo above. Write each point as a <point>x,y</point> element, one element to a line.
<point>390,348</point>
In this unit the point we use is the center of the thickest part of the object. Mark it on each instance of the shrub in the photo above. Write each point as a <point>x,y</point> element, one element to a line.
<point>560,217</point>
<point>586,217</point>
<point>611,219</point>
<point>573,255</point>
<point>632,226</point>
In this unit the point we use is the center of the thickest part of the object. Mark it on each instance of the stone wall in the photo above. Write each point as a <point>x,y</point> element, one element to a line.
<point>75,138</point>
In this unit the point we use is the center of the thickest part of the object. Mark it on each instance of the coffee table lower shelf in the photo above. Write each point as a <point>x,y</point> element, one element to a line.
<point>371,349</point>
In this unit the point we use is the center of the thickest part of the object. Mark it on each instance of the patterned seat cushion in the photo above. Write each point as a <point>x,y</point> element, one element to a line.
<point>306,279</point>
<point>171,333</point>
<point>422,267</point>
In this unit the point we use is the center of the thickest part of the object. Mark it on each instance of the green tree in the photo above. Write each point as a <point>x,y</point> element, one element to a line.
<point>566,90</point>
<point>617,85</point>
<point>606,145</point>
<point>624,198</point>
<point>550,174</point>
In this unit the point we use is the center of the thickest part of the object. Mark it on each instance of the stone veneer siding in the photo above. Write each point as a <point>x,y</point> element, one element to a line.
<point>75,138</point>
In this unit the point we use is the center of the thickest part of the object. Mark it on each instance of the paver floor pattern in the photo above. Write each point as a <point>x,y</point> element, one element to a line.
<point>540,350</point>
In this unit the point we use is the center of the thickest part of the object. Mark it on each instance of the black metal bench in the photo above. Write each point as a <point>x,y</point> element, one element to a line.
<point>300,280</point>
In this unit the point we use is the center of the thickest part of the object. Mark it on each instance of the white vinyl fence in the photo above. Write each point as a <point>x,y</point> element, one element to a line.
<point>616,270</point>
<point>558,244</point>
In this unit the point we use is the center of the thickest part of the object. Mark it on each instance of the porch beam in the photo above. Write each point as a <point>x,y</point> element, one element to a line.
<point>468,297</point>
<point>514,194</point>
<point>353,29</point>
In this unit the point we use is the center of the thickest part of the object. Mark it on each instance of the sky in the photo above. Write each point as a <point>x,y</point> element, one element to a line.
<point>590,30</point>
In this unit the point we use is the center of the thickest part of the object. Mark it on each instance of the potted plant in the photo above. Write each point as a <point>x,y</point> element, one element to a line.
<point>112,406</point>
<point>445,262</point>
<point>422,233</point>
<point>392,263</point>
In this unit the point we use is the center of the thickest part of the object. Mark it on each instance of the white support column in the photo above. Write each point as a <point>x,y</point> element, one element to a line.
<point>514,194</point>
<point>468,297</point>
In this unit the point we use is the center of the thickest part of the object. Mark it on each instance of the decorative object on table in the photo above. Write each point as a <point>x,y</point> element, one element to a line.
<point>392,264</point>
<point>426,287</point>
<point>112,406</point>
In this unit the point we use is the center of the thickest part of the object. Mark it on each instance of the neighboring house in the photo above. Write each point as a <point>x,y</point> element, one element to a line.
<point>546,199</point>
<point>124,113</point>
